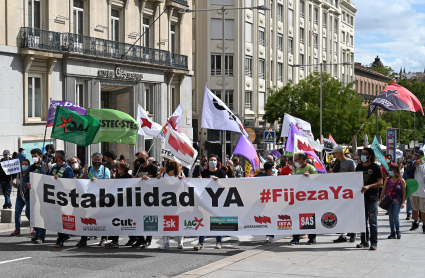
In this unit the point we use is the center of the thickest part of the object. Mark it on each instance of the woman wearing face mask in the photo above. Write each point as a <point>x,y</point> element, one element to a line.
<point>395,191</point>
<point>288,169</point>
<point>229,171</point>
<point>172,169</point>
<point>22,198</point>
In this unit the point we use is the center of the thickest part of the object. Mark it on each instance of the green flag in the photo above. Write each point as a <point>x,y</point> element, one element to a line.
<point>72,127</point>
<point>378,153</point>
<point>116,126</point>
<point>412,186</point>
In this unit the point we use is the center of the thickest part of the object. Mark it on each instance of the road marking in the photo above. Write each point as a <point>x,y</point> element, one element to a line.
<point>4,262</point>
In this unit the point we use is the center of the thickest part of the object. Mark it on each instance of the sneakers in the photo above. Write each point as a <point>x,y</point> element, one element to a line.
<point>271,239</point>
<point>145,245</point>
<point>15,233</point>
<point>362,245</point>
<point>415,225</point>
<point>34,237</point>
<point>267,238</point>
<point>294,242</point>
<point>102,242</point>
<point>59,243</point>
<point>199,247</point>
<point>392,236</point>
<point>218,245</point>
<point>180,246</point>
<point>39,241</point>
<point>398,234</point>
<point>340,239</point>
<point>304,236</point>
<point>33,232</point>
<point>130,243</point>
<point>136,244</point>
<point>353,237</point>
<point>164,247</point>
<point>81,243</point>
<point>112,244</point>
<point>311,242</point>
<point>373,247</point>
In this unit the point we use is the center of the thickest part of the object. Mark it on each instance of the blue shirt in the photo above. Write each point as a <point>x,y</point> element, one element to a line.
<point>100,174</point>
<point>21,157</point>
<point>63,171</point>
<point>32,169</point>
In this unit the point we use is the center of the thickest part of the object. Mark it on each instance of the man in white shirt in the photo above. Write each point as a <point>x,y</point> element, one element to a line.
<point>417,199</point>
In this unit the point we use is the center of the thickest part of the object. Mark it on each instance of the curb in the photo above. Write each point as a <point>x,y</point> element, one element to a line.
<point>4,227</point>
<point>209,268</point>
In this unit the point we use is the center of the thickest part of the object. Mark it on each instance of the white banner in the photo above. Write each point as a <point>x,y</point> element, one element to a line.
<point>11,166</point>
<point>302,126</point>
<point>192,207</point>
<point>180,146</point>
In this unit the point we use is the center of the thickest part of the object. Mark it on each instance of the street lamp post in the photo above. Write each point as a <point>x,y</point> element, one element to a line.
<point>223,54</point>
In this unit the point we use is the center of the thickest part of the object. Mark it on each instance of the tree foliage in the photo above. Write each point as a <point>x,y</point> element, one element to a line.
<point>384,70</point>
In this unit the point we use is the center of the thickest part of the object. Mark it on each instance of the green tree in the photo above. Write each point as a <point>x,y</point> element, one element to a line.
<point>385,70</point>
<point>343,112</point>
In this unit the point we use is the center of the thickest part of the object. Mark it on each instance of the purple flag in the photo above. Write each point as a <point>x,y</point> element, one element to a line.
<point>317,163</point>
<point>247,150</point>
<point>276,153</point>
<point>290,142</point>
<point>66,104</point>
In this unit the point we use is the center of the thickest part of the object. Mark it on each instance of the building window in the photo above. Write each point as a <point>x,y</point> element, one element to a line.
<point>261,101</point>
<point>301,35</point>
<point>291,18</point>
<point>325,20</point>
<point>173,98</point>
<point>146,36</point>
<point>361,87</point>
<point>352,21</point>
<point>279,42</point>
<point>78,13</point>
<point>351,40</point>
<point>315,64</point>
<point>271,8</point>
<point>343,37</point>
<point>115,25</point>
<point>316,41</point>
<point>316,16</point>
<point>79,93</point>
<point>261,3</point>
<point>301,62</point>
<point>261,36</point>
<point>248,32</point>
<point>335,70</point>
<point>193,100</point>
<point>228,99</point>
<point>271,70</point>
<point>279,71</point>
<point>302,8</point>
<point>173,38</point>
<point>343,16</point>
<point>336,26</point>
<point>248,100</point>
<point>34,96</point>
<point>290,69</point>
<point>280,13</point>
<point>290,46</point>
<point>34,13</point>
<point>324,44</point>
<point>271,39</point>
<point>248,66</point>
<point>216,64</point>
<point>261,66</point>
<point>149,100</point>
<point>336,48</point>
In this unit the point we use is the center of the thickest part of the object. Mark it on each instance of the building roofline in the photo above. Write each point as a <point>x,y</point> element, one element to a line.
<point>361,68</point>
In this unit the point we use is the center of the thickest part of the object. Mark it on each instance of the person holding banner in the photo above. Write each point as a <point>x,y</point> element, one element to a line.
<point>76,167</point>
<point>212,172</point>
<point>49,157</point>
<point>303,168</point>
<point>111,163</point>
<point>239,172</point>
<point>22,198</point>
<point>268,172</point>
<point>372,180</point>
<point>417,199</point>
<point>172,169</point>
<point>37,167</point>
<point>6,182</point>
<point>288,169</point>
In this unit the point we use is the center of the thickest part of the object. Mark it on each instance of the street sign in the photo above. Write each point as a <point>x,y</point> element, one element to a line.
<point>391,142</point>
<point>269,136</point>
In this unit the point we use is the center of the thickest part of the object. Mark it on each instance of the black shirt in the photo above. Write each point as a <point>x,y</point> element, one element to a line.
<point>78,173</point>
<point>218,173</point>
<point>151,171</point>
<point>48,158</point>
<point>126,176</point>
<point>113,169</point>
<point>371,174</point>
<point>3,176</point>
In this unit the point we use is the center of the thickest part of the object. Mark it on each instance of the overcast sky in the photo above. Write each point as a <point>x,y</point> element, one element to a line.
<point>392,29</point>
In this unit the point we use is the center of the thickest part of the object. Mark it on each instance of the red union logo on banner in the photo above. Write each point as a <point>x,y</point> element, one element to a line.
<point>68,222</point>
<point>183,147</point>
<point>88,221</point>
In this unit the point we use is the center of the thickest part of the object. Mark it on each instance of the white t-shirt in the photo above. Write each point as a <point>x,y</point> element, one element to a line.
<point>166,175</point>
<point>420,177</point>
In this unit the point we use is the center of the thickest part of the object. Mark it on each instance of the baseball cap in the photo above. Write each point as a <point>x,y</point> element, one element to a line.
<point>338,149</point>
<point>420,153</point>
<point>5,152</point>
<point>21,149</point>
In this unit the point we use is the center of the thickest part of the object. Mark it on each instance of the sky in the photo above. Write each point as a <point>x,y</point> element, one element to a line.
<point>392,29</point>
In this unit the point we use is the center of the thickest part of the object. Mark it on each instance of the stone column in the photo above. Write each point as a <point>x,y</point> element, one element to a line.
<point>70,95</point>
<point>94,102</point>
<point>139,99</point>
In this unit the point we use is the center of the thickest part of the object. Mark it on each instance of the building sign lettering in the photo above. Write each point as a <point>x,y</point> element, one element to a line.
<point>119,74</point>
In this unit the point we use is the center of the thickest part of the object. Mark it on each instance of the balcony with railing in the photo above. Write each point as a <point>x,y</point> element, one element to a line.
<point>74,43</point>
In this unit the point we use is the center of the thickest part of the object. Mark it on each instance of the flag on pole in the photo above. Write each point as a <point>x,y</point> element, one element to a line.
<point>72,127</point>
<point>62,103</point>
<point>147,126</point>
<point>276,153</point>
<point>174,121</point>
<point>216,115</point>
<point>303,126</point>
<point>395,97</point>
<point>117,126</point>
<point>290,142</point>
<point>376,147</point>
<point>333,141</point>
<point>316,161</point>
<point>180,147</point>
<point>247,150</point>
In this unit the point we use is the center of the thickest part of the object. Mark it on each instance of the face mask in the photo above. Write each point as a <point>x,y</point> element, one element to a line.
<point>170,166</point>
<point>363,158</point>
<point>97,164</point>
<point>291,167</point>
<point>391,173</point>
<point>142,160</point>
<point>24,167</point>
<point>75,166</point>
<point>213,164</point>
<point>35,160</point>
<point>298,165</point>
<point>5,156</point>
<point>387,160</point>
<point>274,171</point>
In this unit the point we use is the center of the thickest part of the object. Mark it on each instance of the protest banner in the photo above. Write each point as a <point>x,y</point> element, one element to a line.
<point>11,167</point>
<point>282,205</point>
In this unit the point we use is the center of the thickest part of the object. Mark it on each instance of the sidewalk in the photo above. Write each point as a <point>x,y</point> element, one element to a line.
<point>394,258</point>
<point>11,226</point>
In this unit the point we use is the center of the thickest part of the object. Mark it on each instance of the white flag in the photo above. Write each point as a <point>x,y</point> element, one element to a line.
<point>216,115</point>
<point>302,126</point>
<point>302,143</point>
<point>174,121</point>
<point>180,147</point>
<point>147,127</point>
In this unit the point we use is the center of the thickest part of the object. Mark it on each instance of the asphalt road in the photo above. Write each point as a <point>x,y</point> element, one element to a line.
<point>19,257</point>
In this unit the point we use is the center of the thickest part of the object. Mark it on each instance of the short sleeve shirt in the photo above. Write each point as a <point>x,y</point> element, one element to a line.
<point>101,174</point>
<point>347,165</point>
<point>151,171</point>
<point>371,174</point>
<point>218,173</point>
<point>301,171</point>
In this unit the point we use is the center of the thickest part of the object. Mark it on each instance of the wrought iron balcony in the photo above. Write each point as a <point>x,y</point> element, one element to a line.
<point>74,43</point>
<point>40,39</point>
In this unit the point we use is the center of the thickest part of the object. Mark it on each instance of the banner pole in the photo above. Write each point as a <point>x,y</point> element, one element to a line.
<point>153,142</point>
<point>44,140</point>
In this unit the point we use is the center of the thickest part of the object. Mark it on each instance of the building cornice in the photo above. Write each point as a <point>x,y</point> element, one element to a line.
<point>369,73</point>
<point>348,6</point>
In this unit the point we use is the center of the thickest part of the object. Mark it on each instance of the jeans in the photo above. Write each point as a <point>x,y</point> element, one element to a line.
<point>19,206</point>
<point>371,212</point>
<point>41,233</point>
<point>297,237</point>
<point>394,213</point>
<point>409,209</point>
<point>202,239</point>
<point>6,188</point>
